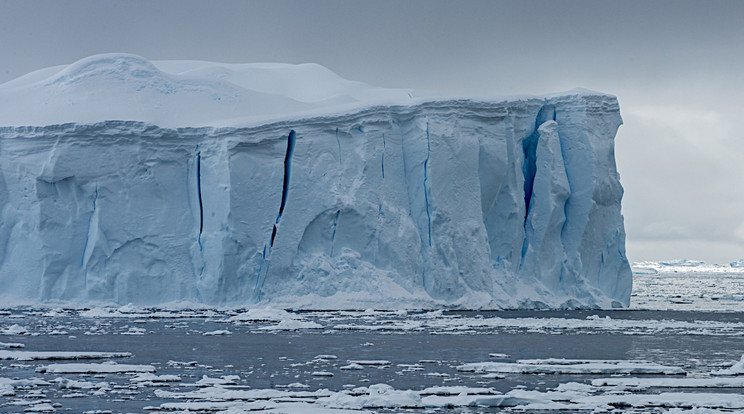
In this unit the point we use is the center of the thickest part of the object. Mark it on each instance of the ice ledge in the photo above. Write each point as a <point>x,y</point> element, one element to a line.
<point>575,98</point>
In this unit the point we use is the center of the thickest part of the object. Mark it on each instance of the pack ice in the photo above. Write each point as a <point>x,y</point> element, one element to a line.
<point>130,181</point>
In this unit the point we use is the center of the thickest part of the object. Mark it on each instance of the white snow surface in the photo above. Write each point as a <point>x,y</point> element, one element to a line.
<point>125,180</point>
<point>173,94</point>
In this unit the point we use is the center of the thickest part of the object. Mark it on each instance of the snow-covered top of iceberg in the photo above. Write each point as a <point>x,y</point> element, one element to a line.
<point>190,93</point>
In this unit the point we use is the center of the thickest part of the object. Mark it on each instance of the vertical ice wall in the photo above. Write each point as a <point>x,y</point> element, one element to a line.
<point>477,204</point>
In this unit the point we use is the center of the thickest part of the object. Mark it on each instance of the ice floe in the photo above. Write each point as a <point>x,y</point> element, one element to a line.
<point>571,366</point>
<point>52,355</point>
<point>103,368</point>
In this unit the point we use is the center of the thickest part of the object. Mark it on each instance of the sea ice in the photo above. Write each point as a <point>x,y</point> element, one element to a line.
<point>571,366</point>
<point>104,368</point>
<point>51,355</point>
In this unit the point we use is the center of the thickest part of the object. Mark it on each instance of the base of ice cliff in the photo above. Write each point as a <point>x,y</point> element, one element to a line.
<point>478,204</point>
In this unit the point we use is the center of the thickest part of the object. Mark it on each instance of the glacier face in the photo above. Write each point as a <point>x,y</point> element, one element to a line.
<point>497,204</point>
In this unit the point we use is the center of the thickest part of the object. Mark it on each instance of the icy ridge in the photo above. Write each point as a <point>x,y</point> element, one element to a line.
<point>477,204</point>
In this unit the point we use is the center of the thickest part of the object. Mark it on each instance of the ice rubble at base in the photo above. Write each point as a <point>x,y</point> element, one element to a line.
<point>155,182</point>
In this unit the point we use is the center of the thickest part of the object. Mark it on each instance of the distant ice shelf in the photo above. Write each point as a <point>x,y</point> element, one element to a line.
<point>124,180</point>
<point>685,266</point>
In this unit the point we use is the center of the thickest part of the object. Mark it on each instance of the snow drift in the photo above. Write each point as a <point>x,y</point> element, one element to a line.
<point>124,180</point>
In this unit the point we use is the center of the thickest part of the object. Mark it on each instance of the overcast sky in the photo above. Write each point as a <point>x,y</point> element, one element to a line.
<point>677,68</point>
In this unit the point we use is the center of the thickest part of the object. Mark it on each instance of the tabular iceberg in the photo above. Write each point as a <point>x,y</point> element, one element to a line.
<point>154,182</point>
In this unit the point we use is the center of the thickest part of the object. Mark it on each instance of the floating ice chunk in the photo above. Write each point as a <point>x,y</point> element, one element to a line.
<point>736,369</point>
<point>294,385</point>
<point>133,330</point>
<point>322,374</point>
<point>205,381</point>
<point>669,400</point>
<point>51,355</point>
<point>571,366</point>
<point>376,362</point>
<point>239,407</point>
<point>15,329</point>
<point>40,408</point>
<point>292,325</point>
<point>645,383</point>
<point>456,390</point>
<point>498,355</point>
<point>376,396</point>
<point>263,315</point>
<point>217,332</point>
<point>220,393</point>
<point>79,385</point>
<point>326,356</point>
<point>104,368</point>
<point>6,387</point>
<point>11,345</point>
<point>148,377</point>
<point>352,367</point>
<point>219,406</point>
<point>466,400</point>
<point>182,363</point>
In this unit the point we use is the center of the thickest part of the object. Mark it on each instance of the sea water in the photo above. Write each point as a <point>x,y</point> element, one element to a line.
<point>238,360</point>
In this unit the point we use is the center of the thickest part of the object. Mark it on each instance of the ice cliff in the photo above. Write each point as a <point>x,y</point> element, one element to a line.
<point>124,180</point>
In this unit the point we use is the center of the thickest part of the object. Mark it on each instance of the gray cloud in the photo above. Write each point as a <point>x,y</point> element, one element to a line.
<point>674,65</point>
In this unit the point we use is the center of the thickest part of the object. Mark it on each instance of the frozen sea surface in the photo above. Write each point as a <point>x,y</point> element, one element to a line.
<point>664,358</point>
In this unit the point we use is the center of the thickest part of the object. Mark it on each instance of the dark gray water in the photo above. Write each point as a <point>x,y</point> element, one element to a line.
<point>419,350</point>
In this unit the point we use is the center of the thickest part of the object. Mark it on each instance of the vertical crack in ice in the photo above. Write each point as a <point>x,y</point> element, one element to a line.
<point>260,267</point>
<point>426,179</point>
<point>285,186</point>
<point>333,235</point>
<point>199,194</point>
<point>383,155</point>
<point>529,146</point>
<point>338,141</point>
<point>405,172</point>
<point>92,230</point>
<point>529,166</point>
<point>201,214</point>
<point>285,194</point>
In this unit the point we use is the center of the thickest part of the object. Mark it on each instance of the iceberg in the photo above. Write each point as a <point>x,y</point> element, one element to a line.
<point>129,181</point>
